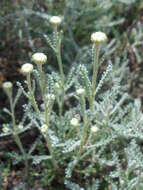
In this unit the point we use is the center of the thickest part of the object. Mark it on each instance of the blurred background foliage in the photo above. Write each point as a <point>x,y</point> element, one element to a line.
<point>24,25</point>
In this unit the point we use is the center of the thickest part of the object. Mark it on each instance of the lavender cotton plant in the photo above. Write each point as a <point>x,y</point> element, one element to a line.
<point>91,144</point>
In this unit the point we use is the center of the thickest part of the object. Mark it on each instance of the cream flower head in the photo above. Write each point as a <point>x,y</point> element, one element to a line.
<point>55,20</point>
<point>74,122</point>
<point>5,129</point>
<point>39,58</point>
<point>94,129</point>
<point>57,86</point>
<point>80,91</point>
<point>20,127</point>
<point>98,37</point>
<point>7,85</point>
<point>44,128</point>
<point>27,68</point>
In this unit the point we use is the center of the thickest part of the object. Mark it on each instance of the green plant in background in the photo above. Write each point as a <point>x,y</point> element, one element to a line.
<point>92,141</point>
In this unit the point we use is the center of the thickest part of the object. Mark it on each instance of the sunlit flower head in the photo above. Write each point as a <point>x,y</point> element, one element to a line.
<point>44,128</point>
<point>27,68</point>
<point>20,127</point>
<point>5,129</point>
<point>94,129</point>
<point>55,20</point>
<point>39,58</point>
<point>74,122</point>
<point>80,91</point>
<point>7,87</point>
<point>57,86</point>
<point>98,37</point>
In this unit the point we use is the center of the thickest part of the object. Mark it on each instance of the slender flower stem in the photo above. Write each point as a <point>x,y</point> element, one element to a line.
<point>61,73</point>
<point>31,97</point>
<point>60,67</point>
<point>17,139</point>
<point>57,44</point>
<point>83,138</point>
<point>83,104</point>
<point>43,90</point>
<point>86,122</point>
<point>59,59</point>
<point>94,77</point>
<point>56,167</point>
<point>83,107</point>
<point>60,109</point>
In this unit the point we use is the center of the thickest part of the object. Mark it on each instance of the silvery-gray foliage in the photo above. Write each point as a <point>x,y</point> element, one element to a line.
<point>112,157</point>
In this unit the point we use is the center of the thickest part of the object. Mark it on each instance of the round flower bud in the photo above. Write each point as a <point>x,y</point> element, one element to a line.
<point>39,58</point>
<point>57,86</point>
<point>27,68</point>
<point>7,86</point>
<point>20,127</point>
<point>51,96</point>
<point>44,128</point>
<point>80,91</point>
<point>74,122</point>
<point>94,129</point>
<point>98,37</point>
<point>5,129</point>
<point>55,20</point>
